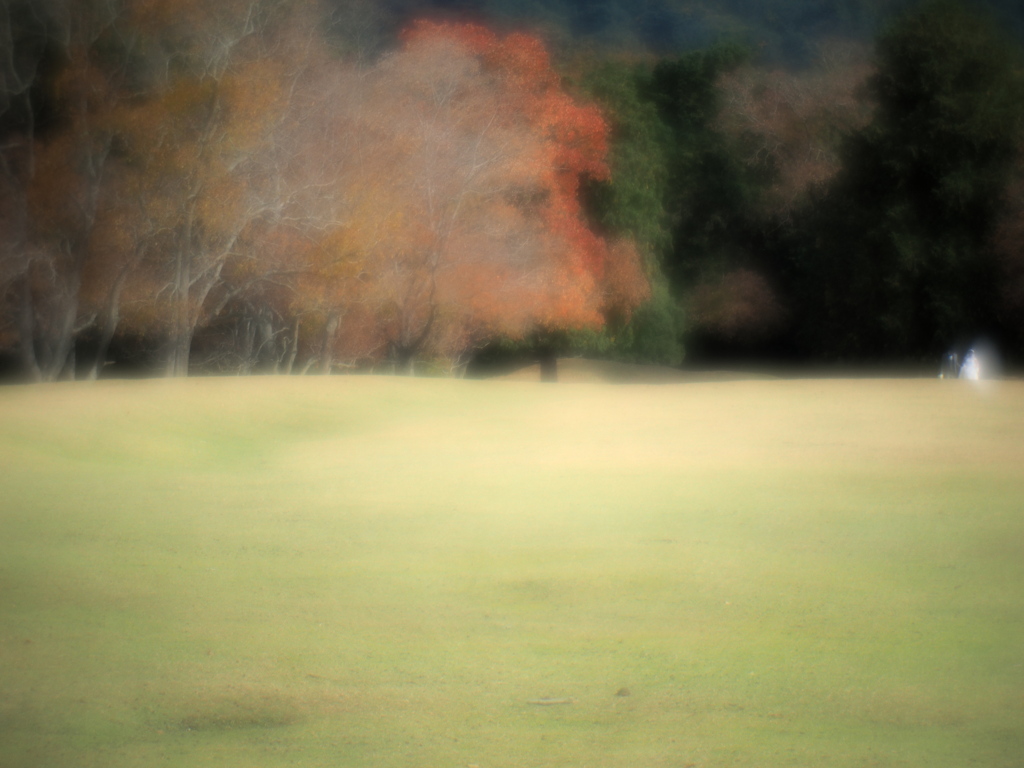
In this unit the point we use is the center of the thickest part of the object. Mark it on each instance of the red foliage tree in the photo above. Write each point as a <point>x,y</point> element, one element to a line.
<point>459,219</point>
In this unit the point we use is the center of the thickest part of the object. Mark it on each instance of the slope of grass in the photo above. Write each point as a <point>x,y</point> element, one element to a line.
<point>368,571</point>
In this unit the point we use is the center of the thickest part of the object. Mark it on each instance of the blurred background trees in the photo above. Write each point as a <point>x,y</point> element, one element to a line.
<point>292,185</point>
<point>230,181</point>
<point>896,258</point>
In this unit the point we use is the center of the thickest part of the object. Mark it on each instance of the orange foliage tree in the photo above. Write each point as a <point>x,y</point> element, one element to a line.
<point>461,219</point>
<point>246,184</point>
<point>201,147</point>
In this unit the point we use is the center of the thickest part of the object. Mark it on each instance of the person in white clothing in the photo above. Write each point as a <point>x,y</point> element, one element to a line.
<point>971,369</point>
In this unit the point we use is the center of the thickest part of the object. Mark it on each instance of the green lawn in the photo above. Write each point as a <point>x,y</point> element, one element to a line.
<point>364,571</point>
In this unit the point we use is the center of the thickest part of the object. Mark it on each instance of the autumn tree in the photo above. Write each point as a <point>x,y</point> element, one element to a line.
<point>326,150</point>
<point>200,143</point>
<point>234,179</point>
<point>462,220</point>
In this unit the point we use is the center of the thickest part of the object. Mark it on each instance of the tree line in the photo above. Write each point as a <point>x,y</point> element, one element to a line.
<point>866,207</point>
<point>225,188</point>
<point>265,185</point>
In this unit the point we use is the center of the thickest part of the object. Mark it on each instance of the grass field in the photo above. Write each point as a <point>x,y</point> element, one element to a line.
<point>364,571</point>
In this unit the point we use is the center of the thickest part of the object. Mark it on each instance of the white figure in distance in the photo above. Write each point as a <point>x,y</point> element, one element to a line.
<point>971,369</point>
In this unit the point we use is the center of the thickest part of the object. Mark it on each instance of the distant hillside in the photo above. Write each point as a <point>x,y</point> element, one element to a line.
<point>782,30</point>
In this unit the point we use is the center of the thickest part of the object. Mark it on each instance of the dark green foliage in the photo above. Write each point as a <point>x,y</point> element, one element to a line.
<point>653,334</point>
<point>684,88</point>
<point>679,188</point>
<point>896,261</point>
<point>633,200</point>
<point>711,190</point>
<point>713,194</point>
<point>632,204</point>
<point>892,259</point>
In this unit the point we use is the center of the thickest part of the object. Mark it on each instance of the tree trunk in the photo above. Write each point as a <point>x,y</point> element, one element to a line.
<point>548,365</point>
<point>26,332</point>
<point>47,351</point>
<point>178,360</point>
<point>180,345</point>
<point>403,360</point>
<point>406,364</point>
<point>266,343</point>
<point>248,346</point>
<point>110,321</point>
<point>293,349</point>
<point>64,346</point>
<point>70,364</point>
<point>181,326</point>
<point>326,350</point>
